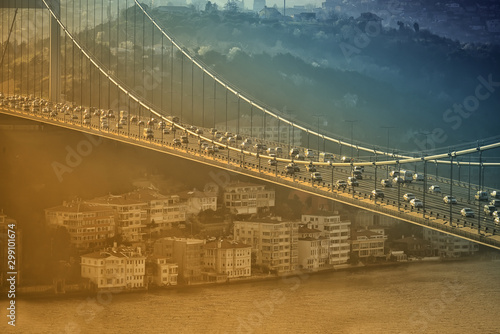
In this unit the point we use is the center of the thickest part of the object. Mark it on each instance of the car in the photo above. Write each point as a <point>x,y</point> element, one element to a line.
<point>177,142</point>
<point>300,156</point>
<point>418,177</point>
<point>133,119</point>
<point>294,151</point>
<point>309,154</point>
<point>408,197</point>
<point>359,169</point>
<point>119,126</point>
<point>199,131</point>
<point>87,121</point>
<point>449,199</point>
<point>497,221</point>
<point>316,177</point>
<point>416,203</point>
<point>341,184</point>
<point>184,140</point>
<point>435,189</point>
<point>495,202</point>
<point>398,179</point>
<point>278,150</point>
<point>166,131</point>
<point>357,174</point>
<point>272,162</point>
<point>351,181</point>
<point>271,150</point>
<point>259,147</point>
<point>481,196</point>
<point>140,123</point>
<point>394,173</point>
<point>346,159</point>
<point>213,130</point>
<point>495,194</point>
<point>311,168</point>
<point>386,183</point>
<point>489,210</point>
<point>376,193</point>
<point>245,145</point>
<point>467,212</point>
<point>289,170</point>
<point>74,116</point>
<point>295,167</point>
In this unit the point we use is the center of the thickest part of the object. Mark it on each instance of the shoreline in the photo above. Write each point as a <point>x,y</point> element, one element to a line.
<point>253,279</point>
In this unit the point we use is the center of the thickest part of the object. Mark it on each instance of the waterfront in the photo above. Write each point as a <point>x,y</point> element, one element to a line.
<point>457,297</point>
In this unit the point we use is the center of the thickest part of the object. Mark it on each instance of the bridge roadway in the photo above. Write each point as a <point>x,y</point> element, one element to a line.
<point>255,165</point>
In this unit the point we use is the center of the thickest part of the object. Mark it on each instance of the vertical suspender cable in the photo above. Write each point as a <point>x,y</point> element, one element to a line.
<point>203,99</point>
<point>143,60</point>
<point>73,55</point>
<point>171,78</point>
<point>192,93</point>
<point>182,83</point>
<point>152,64</point>
<point>162,77</point>
<point>21,51</point>
<point>215,99</point>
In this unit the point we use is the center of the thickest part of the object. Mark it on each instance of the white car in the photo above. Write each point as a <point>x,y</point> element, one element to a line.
<point>416,203</point>
<point>449,199</point>
<point>467,212</point>
<point>316,177</point>
<point>408,197</point>
<point>435,189</point>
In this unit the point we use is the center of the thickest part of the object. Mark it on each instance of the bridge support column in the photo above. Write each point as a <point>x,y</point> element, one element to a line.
<point>55,54</point>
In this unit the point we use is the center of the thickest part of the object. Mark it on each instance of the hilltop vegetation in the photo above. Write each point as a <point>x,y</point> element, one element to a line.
<point>346,68</point>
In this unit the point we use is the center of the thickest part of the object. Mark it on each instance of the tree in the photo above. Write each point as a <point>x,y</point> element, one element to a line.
<point>416,27</point>
<point>231,7</point>
<point>211,7</point>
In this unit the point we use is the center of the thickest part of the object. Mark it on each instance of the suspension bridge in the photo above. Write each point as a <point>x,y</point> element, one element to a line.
<point>110,69</point>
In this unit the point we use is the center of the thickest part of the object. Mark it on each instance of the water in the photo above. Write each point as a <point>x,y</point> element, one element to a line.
<point>459,297</point>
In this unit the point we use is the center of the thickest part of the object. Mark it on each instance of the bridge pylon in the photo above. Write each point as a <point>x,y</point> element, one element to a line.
<point>55,41</point>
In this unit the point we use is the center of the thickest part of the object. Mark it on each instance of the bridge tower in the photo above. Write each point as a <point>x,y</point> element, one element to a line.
<point>55,43</point>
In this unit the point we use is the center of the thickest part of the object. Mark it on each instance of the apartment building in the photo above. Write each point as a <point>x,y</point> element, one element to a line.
<point>88,225</point>
<point>274,242</point>
<point>246,198</point>
<point>116,267</point>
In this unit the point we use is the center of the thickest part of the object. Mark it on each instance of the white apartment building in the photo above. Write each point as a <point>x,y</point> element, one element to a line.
<point>248,198</point>
<point>197,201</point>
<point>231,258</point>
<point>117,267</point>
<point>366,243</point>
<point>88,225</point>
<point>130,214</point>
<point>164,211</point>
<point>143,211</point>
<point>274,242</point>
<point>335,230</point>
<point>450,246</point>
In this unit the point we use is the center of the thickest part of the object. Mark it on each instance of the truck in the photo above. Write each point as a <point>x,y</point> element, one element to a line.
<point>406,175</point>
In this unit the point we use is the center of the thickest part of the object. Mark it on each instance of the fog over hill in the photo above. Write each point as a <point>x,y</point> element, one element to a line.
<point>351,69</point>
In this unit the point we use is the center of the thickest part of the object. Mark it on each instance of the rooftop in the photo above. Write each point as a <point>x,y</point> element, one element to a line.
<point>226,244</point>
<point>77,207</point>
